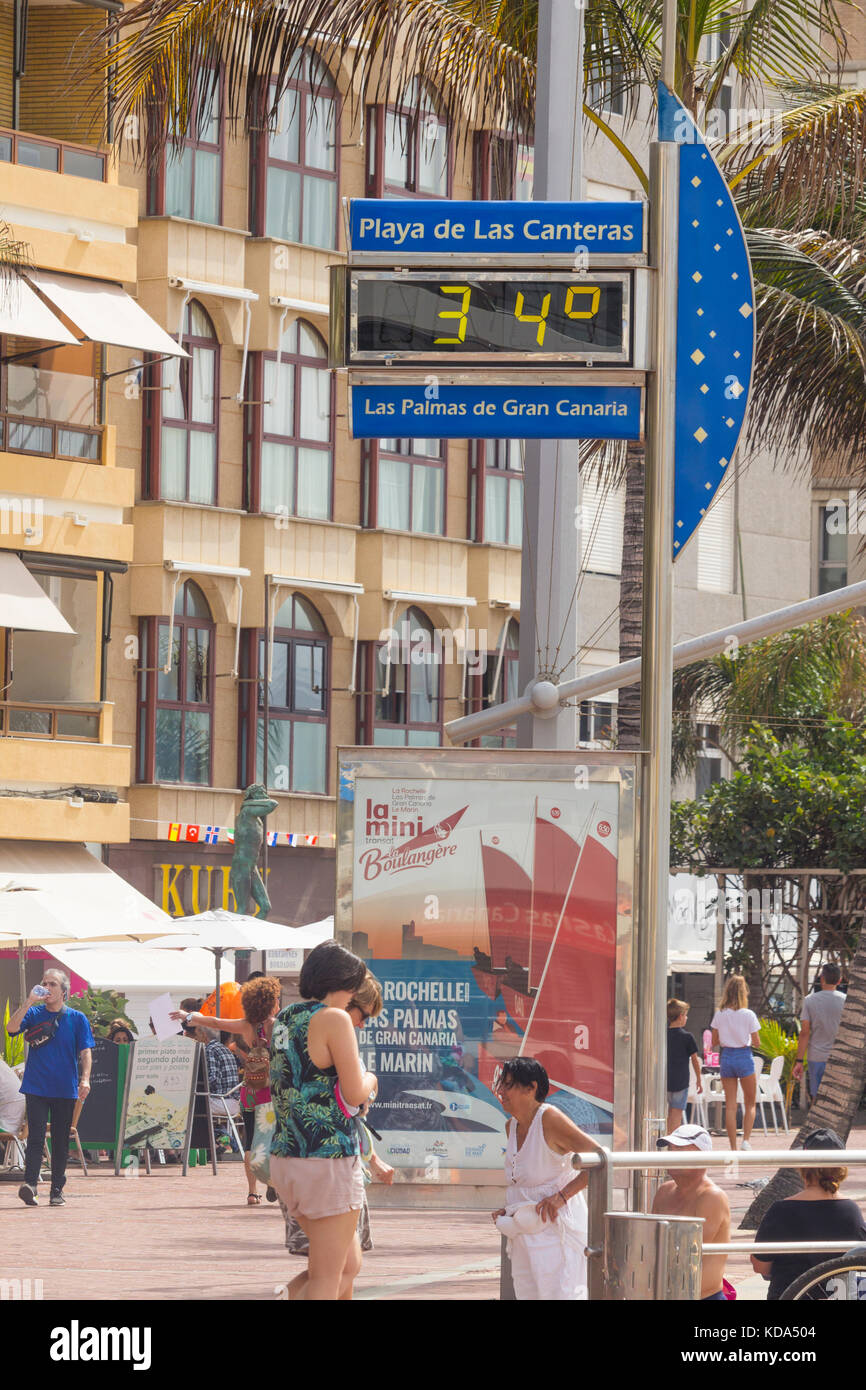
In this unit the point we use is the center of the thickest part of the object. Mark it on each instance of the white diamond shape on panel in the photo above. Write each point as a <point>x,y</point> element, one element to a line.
<point>729,422</point>
<point>736,354</point>
<point>697,277</point>
<point>700,313</point>
<point>736,390</point>
<point>696,223</point>
<point>697,357</point>
<point>719,203</point>
<point>723,463</point>
<point>717,247</point>
<point>746,311</point>
<point>696,183</point>
<point>700,434</point>
<point>712,333</point>
<point>704,389</point>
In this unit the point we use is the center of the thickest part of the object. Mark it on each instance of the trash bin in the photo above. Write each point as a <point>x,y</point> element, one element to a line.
<point>652,1257</point>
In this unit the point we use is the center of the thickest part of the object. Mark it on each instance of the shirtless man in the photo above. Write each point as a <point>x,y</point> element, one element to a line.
<point>691,1193</point>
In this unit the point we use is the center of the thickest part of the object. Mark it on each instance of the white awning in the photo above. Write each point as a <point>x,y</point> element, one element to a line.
<point>97,904</point>
<point>104,313</point>
<point>24,604</point>
<point>23,314</point>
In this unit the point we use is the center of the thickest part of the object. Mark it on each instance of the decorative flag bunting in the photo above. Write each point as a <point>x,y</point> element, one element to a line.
<point>217,834</point>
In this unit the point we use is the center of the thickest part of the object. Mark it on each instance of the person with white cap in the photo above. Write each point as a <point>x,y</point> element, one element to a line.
<point>690,1192</point>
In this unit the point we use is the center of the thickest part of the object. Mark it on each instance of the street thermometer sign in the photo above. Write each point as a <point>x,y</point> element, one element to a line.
<point>493,320</point>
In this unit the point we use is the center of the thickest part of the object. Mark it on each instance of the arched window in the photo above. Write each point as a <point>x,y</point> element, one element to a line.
<point>409,148</point>
<point>404,707</point>
<point>294,162</point>
<point>182,424</point>
<point>297,713</point>
<point>290,434</point>
<point>176,692</point>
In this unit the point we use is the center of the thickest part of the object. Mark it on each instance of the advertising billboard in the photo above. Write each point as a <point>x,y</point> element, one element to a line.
<point>492,900</point>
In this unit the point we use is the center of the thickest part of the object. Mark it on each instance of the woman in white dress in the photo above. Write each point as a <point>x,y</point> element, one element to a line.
<point>545,1214</point>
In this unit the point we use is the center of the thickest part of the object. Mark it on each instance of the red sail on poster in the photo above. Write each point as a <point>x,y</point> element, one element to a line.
<point>508,895</point>
<point>571,1029</point>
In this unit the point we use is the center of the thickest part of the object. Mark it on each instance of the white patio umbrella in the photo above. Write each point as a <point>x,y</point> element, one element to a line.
<point>219,931</point>
<point>39,917</point>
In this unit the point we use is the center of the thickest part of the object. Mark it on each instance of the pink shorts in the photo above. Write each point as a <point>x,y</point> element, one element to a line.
<point>318,1187</point>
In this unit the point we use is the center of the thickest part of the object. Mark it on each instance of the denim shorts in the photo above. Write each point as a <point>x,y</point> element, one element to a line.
<point>737,1061</point>
<point>678,1100</point>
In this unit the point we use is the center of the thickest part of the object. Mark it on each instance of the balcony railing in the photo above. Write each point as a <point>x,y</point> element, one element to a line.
<point>19,435</point>
<point>76,722</point>
<point>56,156</point>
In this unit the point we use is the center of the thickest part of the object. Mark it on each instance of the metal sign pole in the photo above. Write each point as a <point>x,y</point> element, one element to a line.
<point>657,647</point>
<point>551,539</point>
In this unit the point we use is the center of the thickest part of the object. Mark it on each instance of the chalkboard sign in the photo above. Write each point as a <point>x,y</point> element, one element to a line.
<point>159,1093</point>
<point>100,1114</point>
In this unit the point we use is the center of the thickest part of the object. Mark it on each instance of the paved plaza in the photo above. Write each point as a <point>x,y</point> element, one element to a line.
<point>157,1237</point>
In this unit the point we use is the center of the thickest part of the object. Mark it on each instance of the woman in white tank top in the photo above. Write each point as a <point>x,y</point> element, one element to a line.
<point>545,1214</point>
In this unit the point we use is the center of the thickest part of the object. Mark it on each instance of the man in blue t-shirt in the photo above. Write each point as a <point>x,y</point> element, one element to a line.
<point>57,1073</point>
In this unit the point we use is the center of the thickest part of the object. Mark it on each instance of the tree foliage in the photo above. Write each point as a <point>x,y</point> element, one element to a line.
<point>794,806</point>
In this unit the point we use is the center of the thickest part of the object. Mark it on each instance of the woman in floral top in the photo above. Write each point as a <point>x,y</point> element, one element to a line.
<point>316,1076</point>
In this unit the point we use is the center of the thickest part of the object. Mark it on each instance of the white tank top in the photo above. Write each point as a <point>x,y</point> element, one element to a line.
<point>534,1171</point>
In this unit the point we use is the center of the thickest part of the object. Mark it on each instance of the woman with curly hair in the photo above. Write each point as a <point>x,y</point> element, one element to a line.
<point>260,1000</point>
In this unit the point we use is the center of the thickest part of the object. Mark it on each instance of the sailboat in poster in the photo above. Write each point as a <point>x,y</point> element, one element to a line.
<point>553,952</point>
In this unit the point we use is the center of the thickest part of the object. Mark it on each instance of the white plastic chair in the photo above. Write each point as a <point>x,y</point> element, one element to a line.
<point>759,1096</point>
<point>770,1090</point>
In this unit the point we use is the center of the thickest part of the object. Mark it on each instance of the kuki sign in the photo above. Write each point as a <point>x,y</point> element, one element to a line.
<point>497,920</point>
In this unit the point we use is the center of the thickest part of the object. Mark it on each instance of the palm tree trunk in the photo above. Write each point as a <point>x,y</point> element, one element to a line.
<point>839,1093</point>
<point>631,595</point>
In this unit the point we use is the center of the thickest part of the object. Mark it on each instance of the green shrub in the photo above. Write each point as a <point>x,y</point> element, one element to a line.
<point>13,1047</point>
<point>773,1041</point>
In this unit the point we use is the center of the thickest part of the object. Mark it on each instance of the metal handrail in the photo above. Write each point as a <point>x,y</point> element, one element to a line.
<point>782,1247</point>
<point>720,1158</point>
<point>602,1163</point>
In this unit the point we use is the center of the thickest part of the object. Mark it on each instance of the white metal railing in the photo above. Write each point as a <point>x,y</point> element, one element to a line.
<point>601,1165</point>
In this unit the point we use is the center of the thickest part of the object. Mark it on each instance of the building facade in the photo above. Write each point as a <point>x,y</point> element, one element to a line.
<point>259,588</point>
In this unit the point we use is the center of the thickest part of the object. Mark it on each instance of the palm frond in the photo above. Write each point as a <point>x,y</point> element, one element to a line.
<point>793,166</point>
<point>809,382</point>
<point>165,56</point>
<point>14,255</point>
<point>791,684</point>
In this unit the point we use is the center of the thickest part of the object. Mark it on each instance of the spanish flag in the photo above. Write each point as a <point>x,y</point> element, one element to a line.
<point>174,831</point>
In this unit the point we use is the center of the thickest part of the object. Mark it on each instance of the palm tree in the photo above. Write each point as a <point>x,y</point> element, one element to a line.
<point>839,1093</point>
<point>791,684</point>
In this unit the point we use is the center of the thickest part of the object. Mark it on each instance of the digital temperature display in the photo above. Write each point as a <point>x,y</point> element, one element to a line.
<point>554,317</point>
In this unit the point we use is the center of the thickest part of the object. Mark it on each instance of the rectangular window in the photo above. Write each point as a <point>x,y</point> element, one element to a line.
<point>411,486</point>
<point>601,525</point>
<point>503,491</point>
<point>832,547</point>
<point>716,544</point>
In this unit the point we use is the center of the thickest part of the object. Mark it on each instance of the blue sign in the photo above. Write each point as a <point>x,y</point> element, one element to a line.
<point>414,227</point>
<point>715,323</point>
<point>496,412</point>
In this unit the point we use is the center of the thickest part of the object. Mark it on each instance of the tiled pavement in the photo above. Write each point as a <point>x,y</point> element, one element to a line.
<point>161,1237</point>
